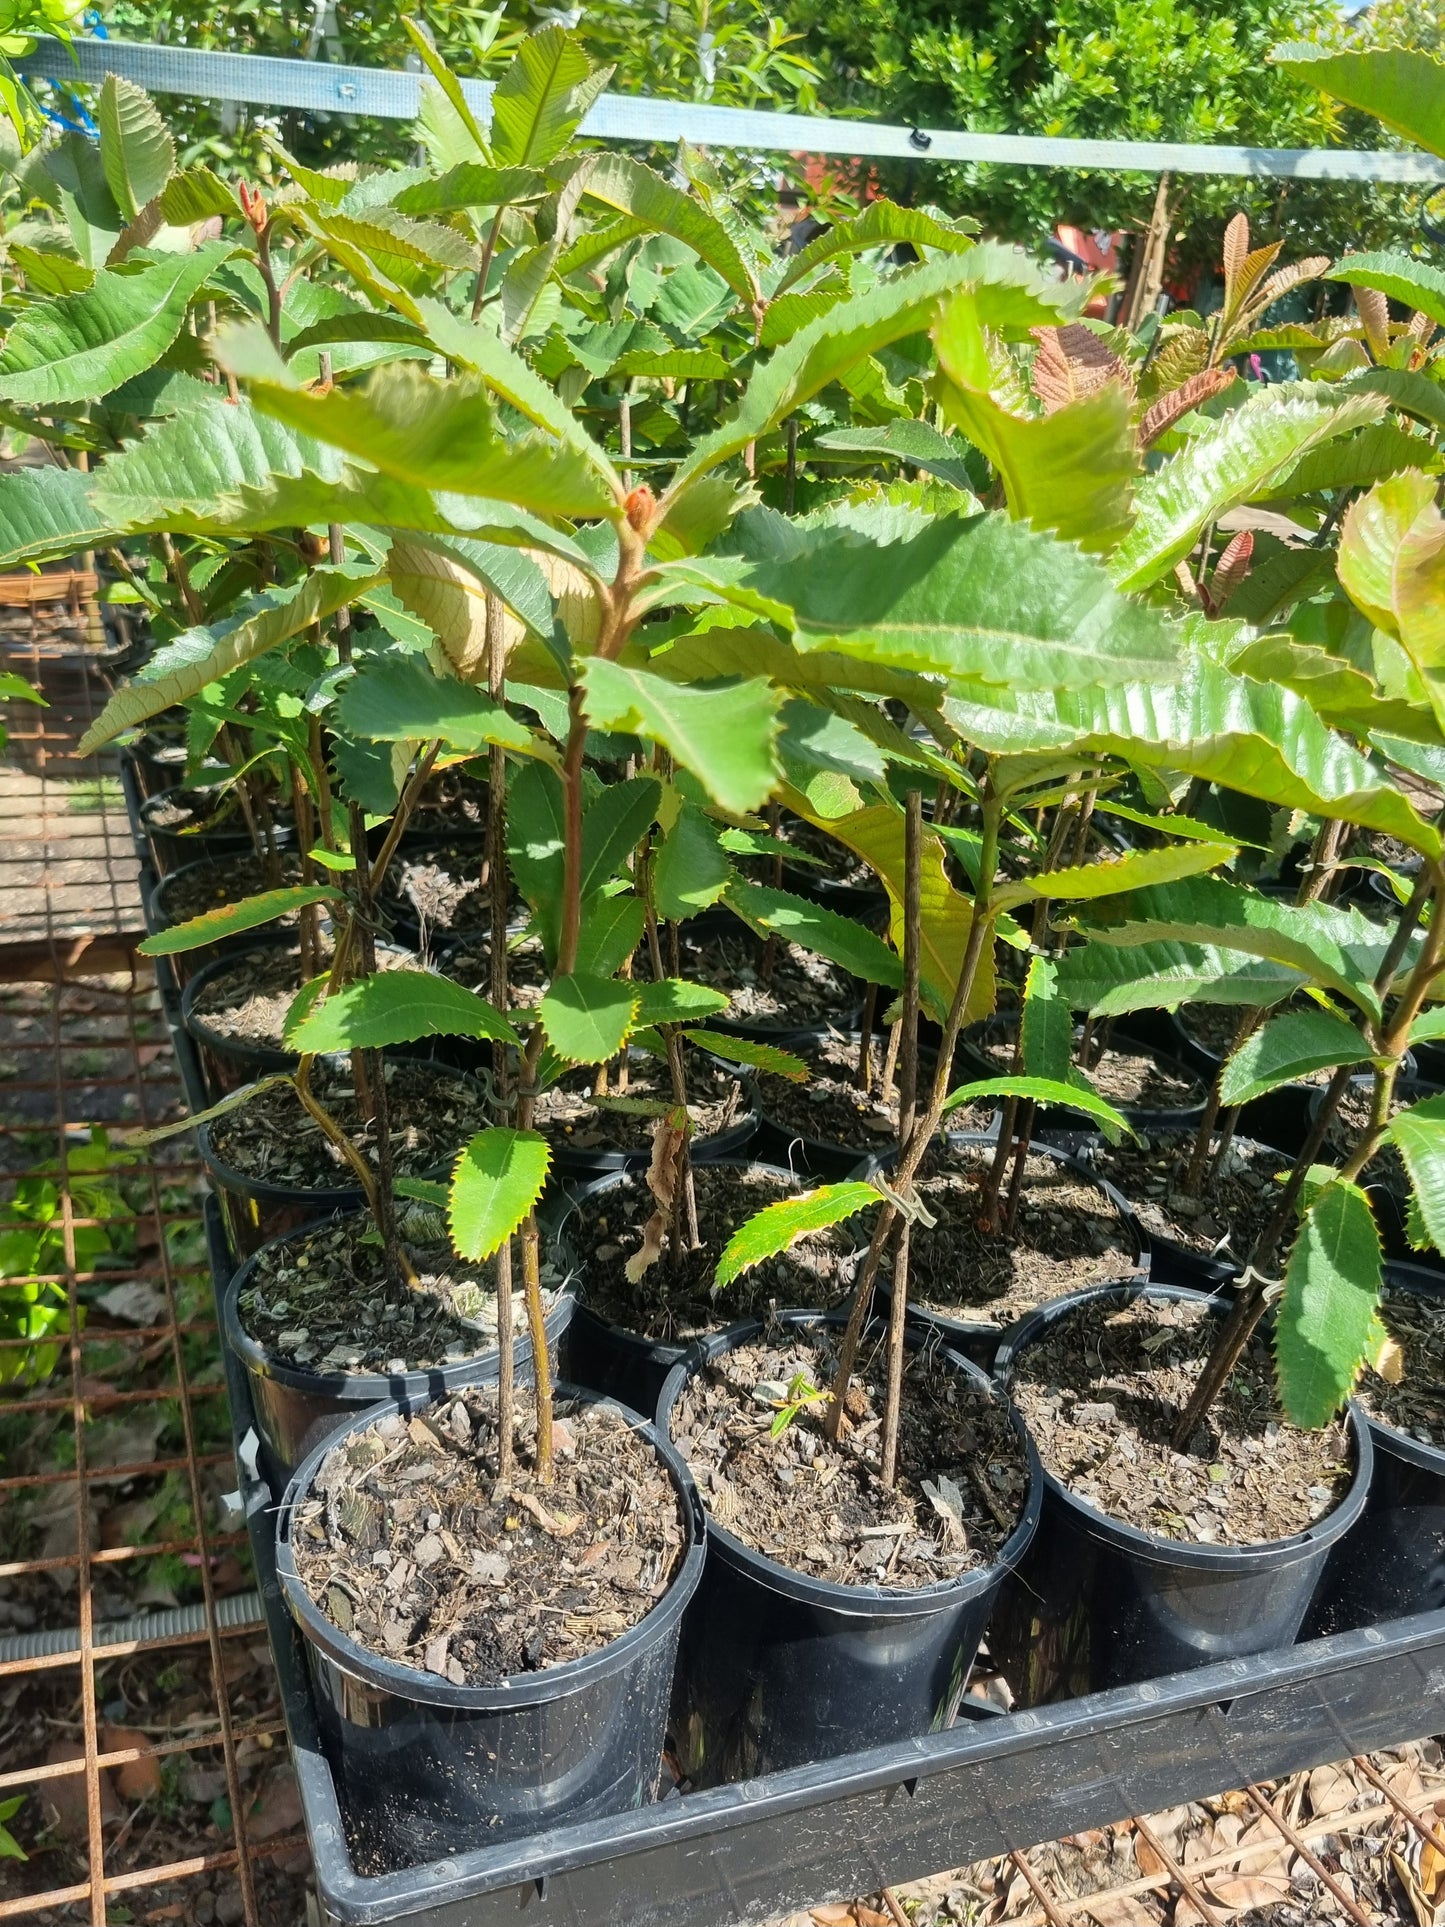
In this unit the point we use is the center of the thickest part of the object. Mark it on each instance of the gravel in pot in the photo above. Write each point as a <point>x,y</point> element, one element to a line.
<point>236,1006</point>
<point>1148,1560</point>
<point>322,1326</point>
<point>614,1130</point>
<point>1149,1088</point>
<point>625,1337</point>
<point>1197,1237</point>
<point>835,1612</point>
<point>1072,1230</point>
<point>803,993</point>
<point>489,1661</point>
<point>433,891</point>
<point>274,1167</point>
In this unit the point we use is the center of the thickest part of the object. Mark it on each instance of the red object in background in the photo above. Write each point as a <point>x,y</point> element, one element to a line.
<point>1099,251</point>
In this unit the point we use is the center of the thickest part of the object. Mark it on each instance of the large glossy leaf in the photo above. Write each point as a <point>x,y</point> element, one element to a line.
<point>1045,1090</point>
<point>588,1019</point>
<point>1403,88</point>
<point>82,345</point>
<point>725,736</point>
<point>746,1050</point>
<point>1342,694</point>
<point>1418,1134</point>
<point>1290,1047</point>
<point>980,597</point>
<point>877,834</point>
<point>690,869</point>
<point>439,435</point>
<point>136,150</point>
<point>195,195</point>
<point>471,184</point>
<point>536,836</point>
<point>675,1001</point>
<point>398,1007</point>
<point>613,825</point>
<point>624,184</point>
<point>778,1227</point>
<point>1327,1312</point>
<point>850,945</point>
<point>507,375</point>
<point>1109,982</point>
<point>1251,736</point>
<point>541,98</point>
<point>1116,874</point>
<point>611,930</point>
<point>497,1179</point>
<point>1354,461</point>
<point>203,656</point>
<point>1072,470</point>
<point>233,918</point>
<point>47,512</point>
<point>919,443</point>
<point>1336,948</point>
<point>1046,1026</point>
<point>399,699</point>
<point>881,224</point>
<point>1411,392</point>
<point>1225,464</point>
<point>1392,565</point>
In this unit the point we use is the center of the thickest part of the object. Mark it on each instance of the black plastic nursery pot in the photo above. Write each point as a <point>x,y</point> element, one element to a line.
<point>295,1407</point>
<point>171,848</point>
<point>778,1669</point>
<point>160,913</point>
<point>408,927</point>
<point>428,1769</point>
<point>978,1338</point>
<point>1387,1197</point>
<point>581,1162</point>
<point>1393,1561</point>
<point>826,1160</point>
<point>1098,1603</point>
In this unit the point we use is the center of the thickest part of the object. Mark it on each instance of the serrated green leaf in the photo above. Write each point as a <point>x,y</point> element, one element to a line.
<point>743,1050</point>
<point>675,1001</point>
<point>398,1007</point>
<point>1338,949</point>
<point>47,512</point>
<point>232,918</point>
<point>881,224</point>
<point>1113,875</point>
<point>1411,392</point>
<point>611,930</point>
<point>1403,88</point>
<point>850,945</point>
<point>919,443</point>
<point>587,1019</point>
<point>541,98</point>
<point>81,345</point>
<point>497,1179</point>
<point>1071,471</point>
<point>1356,461</point>
<point>232,1101</point>
<point>471,184</point>
<point>1328,1307</point>
<point>399,699</point>
<point>1400,276</point>
<point>691,869</point>
<point>203,656</point>
<point>1392,566</point>
<point>979,597</point>
<point>1288,1048</point>
<point>777,1227</point>
<point>1419,1136</point>
<point>1227,463</point>
<point>725,737</point>
<point>196,194</point>
<point>137,153</point>
<point>1046,1025</point>
<point>1044,1090</point>
<point>613,825</point>
<point>1250,736</point>
<point>536,837</point>
<point>625,185</point>
<point>1109,982</point>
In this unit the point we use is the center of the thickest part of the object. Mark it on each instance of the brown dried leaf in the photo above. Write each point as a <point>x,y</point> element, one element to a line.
<point>1071,364</point>
<point>1244,1893</point>
<point>1114,1910</point>
<point>1333,1789</point>
<point>664,1174</point>
<point>1172,407</point>
<point>1150,1864</point>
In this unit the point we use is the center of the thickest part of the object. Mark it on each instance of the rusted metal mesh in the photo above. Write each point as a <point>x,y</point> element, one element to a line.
<point>140,1726</point>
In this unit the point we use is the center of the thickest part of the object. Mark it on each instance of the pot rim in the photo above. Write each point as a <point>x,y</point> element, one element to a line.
<point>1154,1547</point>
<point>862,1601</point>
<point>517,1693</point>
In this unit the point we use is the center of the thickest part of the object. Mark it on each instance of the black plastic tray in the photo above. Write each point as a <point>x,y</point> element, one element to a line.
<point>749,1852</point>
